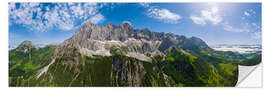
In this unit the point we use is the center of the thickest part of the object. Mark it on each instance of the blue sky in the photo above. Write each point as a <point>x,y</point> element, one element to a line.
<point>215,23</point>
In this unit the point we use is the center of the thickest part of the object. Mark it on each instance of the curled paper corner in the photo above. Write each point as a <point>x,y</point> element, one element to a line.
<point>249,76</point>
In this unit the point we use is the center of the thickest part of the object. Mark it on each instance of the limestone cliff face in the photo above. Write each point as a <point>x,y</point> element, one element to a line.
<point>142,44</point>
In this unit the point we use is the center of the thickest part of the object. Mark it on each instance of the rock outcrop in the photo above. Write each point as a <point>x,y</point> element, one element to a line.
<point>142,44</point>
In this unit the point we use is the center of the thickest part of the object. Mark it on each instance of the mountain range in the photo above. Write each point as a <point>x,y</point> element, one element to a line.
<point>113,55</point>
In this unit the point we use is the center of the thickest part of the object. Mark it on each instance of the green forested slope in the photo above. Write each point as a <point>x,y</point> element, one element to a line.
<point>177,69</point>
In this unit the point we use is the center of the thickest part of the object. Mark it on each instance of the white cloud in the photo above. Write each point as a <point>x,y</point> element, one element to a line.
<point>161,14</point>
<point>210,15</point>
<point>214,10</point>
<point>252,11</point>
<point>97,18</point>
<point>164,15</point>
<point>146,5</point>
<point>249,12</point>
<point>246,13</point>
<point>254,24</point>
<point>198,20</point>
<point>244,27</point>
<point>63,16</point>
<point>228,27</point>
<point>257,35</point>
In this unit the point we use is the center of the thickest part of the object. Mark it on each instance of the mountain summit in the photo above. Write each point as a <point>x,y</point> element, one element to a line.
<point>25,46</point>
<point>142,44</point>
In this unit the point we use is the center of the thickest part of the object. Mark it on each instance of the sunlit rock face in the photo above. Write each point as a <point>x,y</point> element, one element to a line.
<point>142,44</point>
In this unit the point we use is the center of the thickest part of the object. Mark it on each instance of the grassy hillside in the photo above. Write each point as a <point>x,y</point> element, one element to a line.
<point>175,69</point>
<point>22,63</point>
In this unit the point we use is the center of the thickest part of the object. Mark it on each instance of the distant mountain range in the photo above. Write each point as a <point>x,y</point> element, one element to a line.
<point>123,56</point>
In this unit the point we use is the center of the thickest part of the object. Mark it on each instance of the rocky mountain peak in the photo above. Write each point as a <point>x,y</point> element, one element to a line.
<point>194,43</point>
<point>109,24</point>
<point>25,46</point>
<point>126,25</point>
<point>26,43</point>
<point>89,24</point>
<point>92,39</point>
